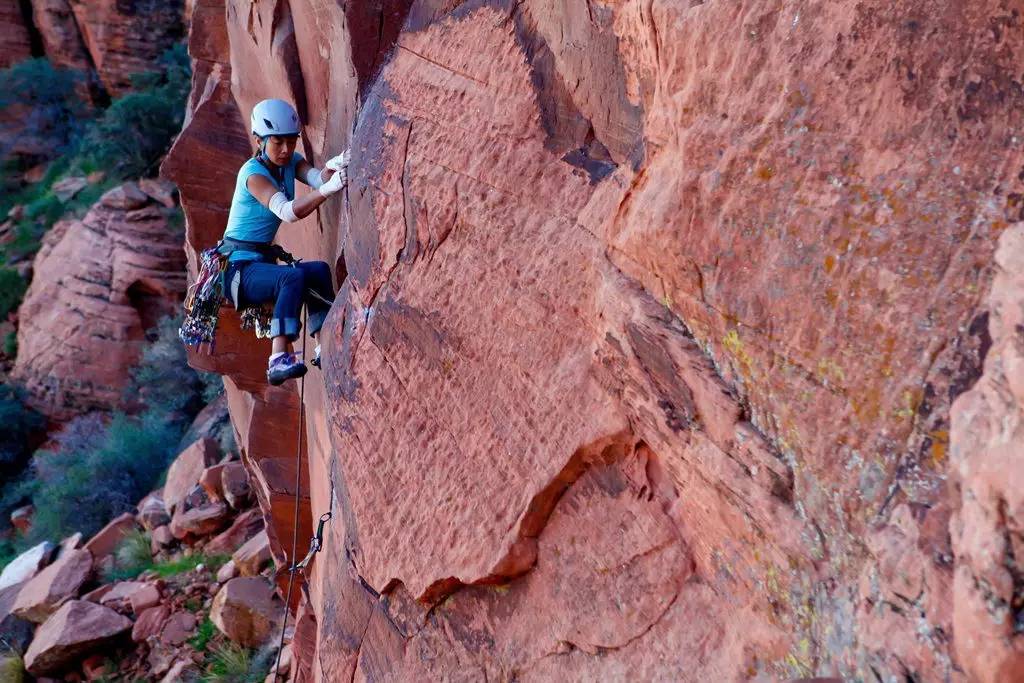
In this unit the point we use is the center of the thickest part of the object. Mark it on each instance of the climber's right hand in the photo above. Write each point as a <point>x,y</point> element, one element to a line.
<point>337,181</point>
<point>340,162</point>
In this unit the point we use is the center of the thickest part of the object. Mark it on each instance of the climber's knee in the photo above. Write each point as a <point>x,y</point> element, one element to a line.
<point>294,277</point>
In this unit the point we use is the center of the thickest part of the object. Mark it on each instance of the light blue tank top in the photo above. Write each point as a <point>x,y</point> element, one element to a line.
<point>248,219</point>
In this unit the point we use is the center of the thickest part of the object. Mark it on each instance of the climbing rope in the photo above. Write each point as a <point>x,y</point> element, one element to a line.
<point>298,484</point>
<point>316,543</point>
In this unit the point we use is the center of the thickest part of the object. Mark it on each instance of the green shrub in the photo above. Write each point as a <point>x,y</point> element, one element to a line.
<point>47,101</point>
<point>82,490</point>
<point>11,346</point>
<point>21,426</point>
<point>132,557</point>
<point>12,290</point>
<point>162,380</point>
<point>204,634</point>
<point>230,663</point>
<point>135,132</point>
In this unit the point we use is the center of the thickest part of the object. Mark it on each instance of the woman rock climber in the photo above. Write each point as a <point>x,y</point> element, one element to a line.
<point>264,197</point>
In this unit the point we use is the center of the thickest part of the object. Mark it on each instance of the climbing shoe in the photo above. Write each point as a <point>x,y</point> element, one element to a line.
<point>283,368</point>
<point>315,362</point>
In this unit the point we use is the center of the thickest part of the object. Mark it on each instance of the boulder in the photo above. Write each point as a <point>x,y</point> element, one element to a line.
<point>21,518</point>
<point>95,667</point>
<point>235,484</point>
<point>246,610</point>
<point>184,473</point>
<point>15,632</point>
<point>97,594</point>
<point>79,627</point>
<point>144,598</point>
<point>150,623</point>
<point>152,512</point>
<point>200,521</point>
<point>212,483</point>
<point>126,196</point>
<point>44,594</point>
<point>182,670</point>
<point>72,542</point>
<point>100,282</point>
<point>178,628</point>
<point>245,526</point>
<point>227,572</point>
<point>106,540</point>
<point>124,595</point>
<point>160,190</point>
<point>250,558</point>
<point>25,566</point>
<point>160,538</point>
<point>66,188</point>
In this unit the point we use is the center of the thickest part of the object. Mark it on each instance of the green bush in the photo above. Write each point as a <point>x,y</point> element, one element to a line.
<point>81,490</point>
<point>11,345</point>
<point>132,557</point>
<point>135,132</point>
<point>162,380</point>
<point>230,663</point>
<point>21,426</point>
<point>47,101</point>
<point>204,634</point>
<point>12,290</point>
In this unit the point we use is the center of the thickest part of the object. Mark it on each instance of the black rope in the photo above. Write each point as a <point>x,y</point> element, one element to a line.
<point>298,484</point>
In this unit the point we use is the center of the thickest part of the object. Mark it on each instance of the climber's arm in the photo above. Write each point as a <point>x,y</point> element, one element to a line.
<point>290,211</point>
<point>313,177</point>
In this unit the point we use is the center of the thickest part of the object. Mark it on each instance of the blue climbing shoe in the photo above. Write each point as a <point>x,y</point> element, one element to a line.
<point>284,368</point>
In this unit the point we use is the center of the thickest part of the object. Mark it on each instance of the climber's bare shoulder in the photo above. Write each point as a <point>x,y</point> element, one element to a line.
<point>261,188</point>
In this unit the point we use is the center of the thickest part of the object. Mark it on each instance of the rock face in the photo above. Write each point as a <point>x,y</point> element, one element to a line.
<point>77,628</point>
<point>15,43</point>
<point>99,285</point>
<point>61,37</point>
<point>650,321</point>
<point>987,465</point>
<point>123,38</point>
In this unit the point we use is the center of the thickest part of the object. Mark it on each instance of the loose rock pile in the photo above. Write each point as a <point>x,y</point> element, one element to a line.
<point>94,610</point>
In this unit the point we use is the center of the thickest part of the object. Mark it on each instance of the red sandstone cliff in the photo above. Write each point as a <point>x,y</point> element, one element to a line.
<point>650,322</point>
<point>100,284</point>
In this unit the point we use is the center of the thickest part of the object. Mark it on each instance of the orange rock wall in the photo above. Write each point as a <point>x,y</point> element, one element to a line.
<point>100,284</point>
<point>650,321</point>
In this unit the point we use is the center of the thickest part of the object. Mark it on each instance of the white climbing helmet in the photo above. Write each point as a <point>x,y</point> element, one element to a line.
<point>274,117</point>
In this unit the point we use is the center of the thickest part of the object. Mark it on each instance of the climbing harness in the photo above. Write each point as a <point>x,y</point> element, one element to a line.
<point>205,296</point>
